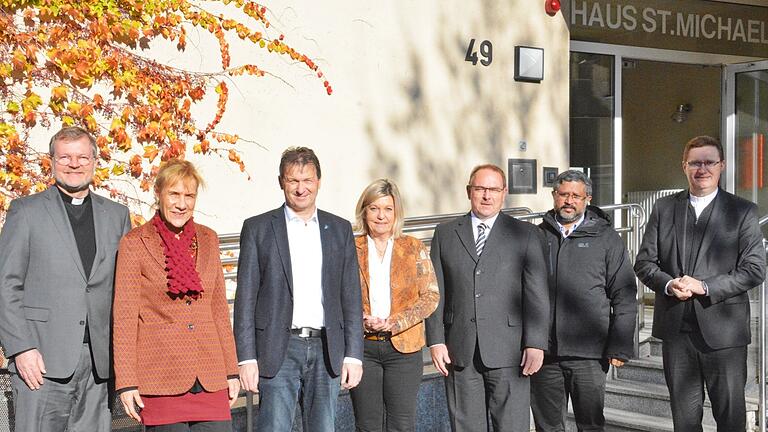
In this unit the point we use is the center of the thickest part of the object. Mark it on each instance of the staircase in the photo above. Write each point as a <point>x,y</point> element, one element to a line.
<point>636,396</point>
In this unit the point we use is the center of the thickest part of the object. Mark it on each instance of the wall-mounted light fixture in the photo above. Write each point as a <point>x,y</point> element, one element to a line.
<point>681,113</point>
<point>529,64</point>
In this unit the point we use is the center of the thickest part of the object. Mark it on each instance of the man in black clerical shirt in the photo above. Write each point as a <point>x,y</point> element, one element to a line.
<point>57,261</point>
<point>701,253</point>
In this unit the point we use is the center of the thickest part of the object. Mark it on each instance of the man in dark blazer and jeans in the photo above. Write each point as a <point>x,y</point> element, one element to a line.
<point>490,327</point>
<point>298,312</point>
<point>702,251</point>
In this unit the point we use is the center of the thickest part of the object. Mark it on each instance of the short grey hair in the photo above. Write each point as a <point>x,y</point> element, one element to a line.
<point>72,133</point>
<point>573,176</point>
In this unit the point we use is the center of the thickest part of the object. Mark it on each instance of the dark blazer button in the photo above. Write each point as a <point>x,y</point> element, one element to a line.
<point>82,322</point>
<point>191,326</point>
<point>472,319</point>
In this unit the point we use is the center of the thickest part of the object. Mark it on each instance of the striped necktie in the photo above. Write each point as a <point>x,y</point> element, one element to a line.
<point>481,237</point>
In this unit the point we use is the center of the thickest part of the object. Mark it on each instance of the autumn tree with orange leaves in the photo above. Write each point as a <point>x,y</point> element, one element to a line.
<point>76,62</point>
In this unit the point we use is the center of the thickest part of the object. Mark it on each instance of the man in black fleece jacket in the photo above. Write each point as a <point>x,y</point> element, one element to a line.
<point>593,306</point>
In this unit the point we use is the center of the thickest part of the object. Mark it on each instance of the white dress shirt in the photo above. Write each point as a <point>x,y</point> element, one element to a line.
<point>306,252</point>
<point>565,233</point>
<point>488,224</point>
<point>379,292</point>
<point>306,269</point>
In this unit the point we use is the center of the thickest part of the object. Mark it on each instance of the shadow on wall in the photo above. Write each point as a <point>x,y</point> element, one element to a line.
<point>458,114</point>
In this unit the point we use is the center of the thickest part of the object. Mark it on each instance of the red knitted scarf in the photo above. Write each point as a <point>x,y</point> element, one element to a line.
<point>179,263</point>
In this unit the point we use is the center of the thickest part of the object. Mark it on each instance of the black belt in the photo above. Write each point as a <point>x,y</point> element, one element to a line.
<point>307,332</point>
<point>379,336</point>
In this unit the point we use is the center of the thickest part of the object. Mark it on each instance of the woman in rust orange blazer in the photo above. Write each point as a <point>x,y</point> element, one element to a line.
<point>399,292</point>
<point>174,353</point>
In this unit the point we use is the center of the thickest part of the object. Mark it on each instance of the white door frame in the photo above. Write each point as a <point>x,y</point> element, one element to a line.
<point>729,114</point>
<point>620,52</point>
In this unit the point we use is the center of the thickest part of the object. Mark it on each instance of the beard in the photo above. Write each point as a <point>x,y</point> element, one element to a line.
<point>73,188</point>
<point>565,218</point>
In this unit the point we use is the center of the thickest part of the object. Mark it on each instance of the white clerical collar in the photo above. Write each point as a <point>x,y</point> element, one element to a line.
<point>702,200</point>
<point>700,203</point>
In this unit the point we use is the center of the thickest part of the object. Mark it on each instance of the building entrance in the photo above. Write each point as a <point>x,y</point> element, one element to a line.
<point>746,124</point>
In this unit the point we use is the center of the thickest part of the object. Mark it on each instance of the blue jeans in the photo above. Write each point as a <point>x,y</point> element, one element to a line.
<point>303,377</point>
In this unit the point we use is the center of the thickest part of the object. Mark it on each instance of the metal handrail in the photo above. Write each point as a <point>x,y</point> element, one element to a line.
<point>229,243</point>
<point>761,409</point>
<point>761,380</point>
<point>763,220</point>
<point>636,218</point>
<point>762,368</point>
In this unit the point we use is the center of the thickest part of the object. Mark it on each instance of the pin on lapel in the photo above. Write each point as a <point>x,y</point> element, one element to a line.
<point>325,227</point>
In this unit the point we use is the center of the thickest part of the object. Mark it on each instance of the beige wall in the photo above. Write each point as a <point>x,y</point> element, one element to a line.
<point>405,105</point>
<point>653,143</point>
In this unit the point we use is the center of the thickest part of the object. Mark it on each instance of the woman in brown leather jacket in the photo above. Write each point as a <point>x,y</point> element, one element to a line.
<point>399,291</point>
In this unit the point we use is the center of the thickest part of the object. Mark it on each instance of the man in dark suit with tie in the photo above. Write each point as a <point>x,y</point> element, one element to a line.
<point>57,269</point>
<point>298,309</point>
<point>490,327</point>
<point>702,251</point>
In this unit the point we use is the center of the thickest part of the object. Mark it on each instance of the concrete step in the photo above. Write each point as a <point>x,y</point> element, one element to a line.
<point>650,346</point>
<point>653,400</point>
<point>628,421</point>
<point>642,370</point>
<point>644,398</point>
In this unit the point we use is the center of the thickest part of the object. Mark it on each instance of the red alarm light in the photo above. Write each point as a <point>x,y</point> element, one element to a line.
<point>551,7</point>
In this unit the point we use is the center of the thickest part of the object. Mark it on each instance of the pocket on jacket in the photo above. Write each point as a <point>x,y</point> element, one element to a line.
<point>513,321</point>
<point>448,318</point>
<point>36,314</point>
<point>741,298</point>
<point>260,323</point>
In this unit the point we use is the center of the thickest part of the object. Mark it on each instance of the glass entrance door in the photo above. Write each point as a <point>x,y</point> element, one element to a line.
<point>746,96</point>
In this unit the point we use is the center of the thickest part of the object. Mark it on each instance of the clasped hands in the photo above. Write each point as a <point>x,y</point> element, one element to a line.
<point>374,324</point>
<point>685,287</point>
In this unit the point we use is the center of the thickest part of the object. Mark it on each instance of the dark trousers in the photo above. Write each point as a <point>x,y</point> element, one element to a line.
<point>211,426</point>
<point>560,377</point>
<point>304,378</point>
<point>77,403</point>
<point>386,396</point>
<point>689,365</point>
<point>475,391</point>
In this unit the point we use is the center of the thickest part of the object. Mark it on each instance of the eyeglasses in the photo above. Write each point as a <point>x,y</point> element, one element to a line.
<point>481,189</point>
<point>566,195</point>
<point>67,159</point>
<point>702,164</point>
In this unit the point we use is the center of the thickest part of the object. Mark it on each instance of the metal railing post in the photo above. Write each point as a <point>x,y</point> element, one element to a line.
<point>248,411</point>
<point>762,367</point>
